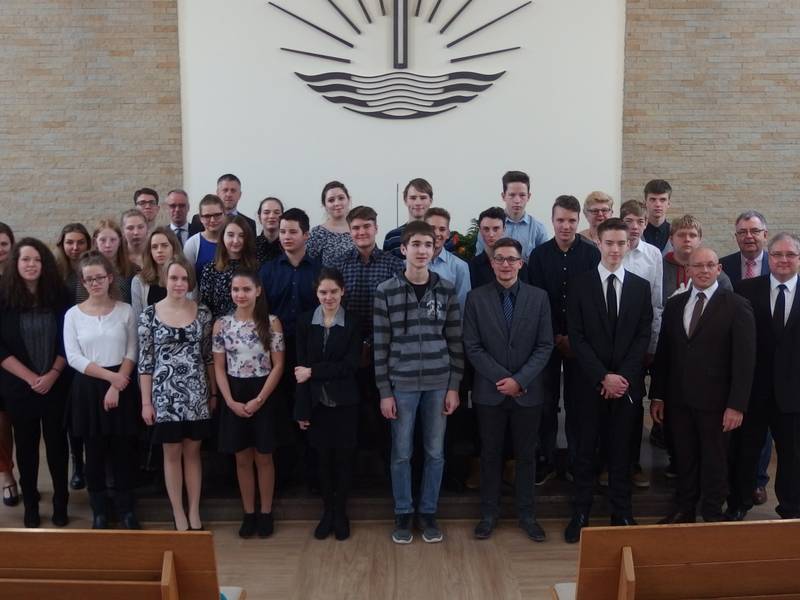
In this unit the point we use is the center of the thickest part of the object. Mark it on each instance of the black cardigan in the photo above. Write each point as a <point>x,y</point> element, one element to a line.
<point>334,370</point>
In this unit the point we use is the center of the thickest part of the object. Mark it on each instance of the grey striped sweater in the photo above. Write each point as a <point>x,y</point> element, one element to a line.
<point>417,345</point>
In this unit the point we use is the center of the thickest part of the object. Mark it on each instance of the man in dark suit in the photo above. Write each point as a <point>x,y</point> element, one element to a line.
<point>751,260</point>
<point>508,339</point>
<point>774,400</point>
<point>608,324</point>
<point>701,377</point>
<point>229,189</point>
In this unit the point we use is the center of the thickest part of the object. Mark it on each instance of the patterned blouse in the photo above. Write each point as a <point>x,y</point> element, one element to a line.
<point>327,246</point>
<point>215,288</point>
<point>244,352</point>
<point>177,358</point>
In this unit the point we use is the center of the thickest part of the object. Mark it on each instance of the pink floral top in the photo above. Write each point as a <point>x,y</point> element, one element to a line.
<point>244,352</point>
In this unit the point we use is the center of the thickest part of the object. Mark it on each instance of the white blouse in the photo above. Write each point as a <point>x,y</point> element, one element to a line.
<point>106,340</point>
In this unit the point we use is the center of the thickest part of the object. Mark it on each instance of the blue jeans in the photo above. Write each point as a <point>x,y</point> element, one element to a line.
<point>431,405</point>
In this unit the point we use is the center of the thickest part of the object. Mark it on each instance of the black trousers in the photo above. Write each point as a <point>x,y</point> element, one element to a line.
<point>120,452</point>
<point>548,428</point>
<point>335,476</point>
<point>27,433</point>
<point>701,459</point>
<point>614,418</point>
<point>492,423</point>
<point>745,453</point>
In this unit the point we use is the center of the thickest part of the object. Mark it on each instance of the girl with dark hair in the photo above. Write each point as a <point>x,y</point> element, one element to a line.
<point>72,242</point>
<point>331,240</point>
<point>268,244</point>
<point>100,344</point>
<point>107,239</point>
<point>148,286</point>
<point>7,481</point>
<point>248,361</point>
<point>176,375</point>
<point>237,250</point>
<point>328,355</point>
<point>33,377</point>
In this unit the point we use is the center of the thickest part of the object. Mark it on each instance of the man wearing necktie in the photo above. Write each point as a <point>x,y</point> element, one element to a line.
<point>508,338</point>
<point>774,400</point>
<point>701,381</point>
<point>609,325</point>
<point>178,207</point>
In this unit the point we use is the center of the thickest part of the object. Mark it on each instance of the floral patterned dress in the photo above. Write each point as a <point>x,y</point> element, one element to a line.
<point>327,246</point>
<point>176,358</point>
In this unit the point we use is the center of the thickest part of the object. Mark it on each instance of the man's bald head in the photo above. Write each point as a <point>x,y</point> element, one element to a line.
<point>704,267</point>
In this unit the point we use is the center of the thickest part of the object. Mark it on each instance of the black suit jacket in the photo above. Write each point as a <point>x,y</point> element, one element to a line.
<point>196,226</point>
<point>777,371</point>
<point>714,369</point>
<point>732,265</point>
<point>598,352</point>
<point>333,370</point>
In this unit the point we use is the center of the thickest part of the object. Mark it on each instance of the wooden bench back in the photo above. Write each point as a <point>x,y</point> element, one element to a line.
<point>752,560</point>
<point>118,565</point>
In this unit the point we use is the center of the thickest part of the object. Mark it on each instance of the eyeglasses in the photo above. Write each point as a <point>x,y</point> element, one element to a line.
<point>751,232</point>
<point>93,280</point>
<point>599,211</point>
<point>784,255</point>
<point>146,203</point>
<point>709,266</point>
<point>211,216</point>
<point>511,260</point>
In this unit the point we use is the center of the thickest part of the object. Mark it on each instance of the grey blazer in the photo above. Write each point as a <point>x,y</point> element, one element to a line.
<point>495,353</point>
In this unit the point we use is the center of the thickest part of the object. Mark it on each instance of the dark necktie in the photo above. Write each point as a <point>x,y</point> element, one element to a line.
<point>697,312</point>
<point>611,300</point>
<point>779,314</point>
<point>179,232</point>
<point>508,308</point>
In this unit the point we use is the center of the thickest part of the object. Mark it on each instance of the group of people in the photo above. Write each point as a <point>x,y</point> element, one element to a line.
<point>314,338</point>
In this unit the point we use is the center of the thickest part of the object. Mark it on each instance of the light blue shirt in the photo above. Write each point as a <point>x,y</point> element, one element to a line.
<point>527,231</point>
<point>456,271</point>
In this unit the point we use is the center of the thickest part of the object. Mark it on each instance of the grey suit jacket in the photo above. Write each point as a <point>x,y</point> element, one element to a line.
<point>496,353</point>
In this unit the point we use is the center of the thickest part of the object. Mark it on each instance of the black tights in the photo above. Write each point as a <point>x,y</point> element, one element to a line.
<point>335,476</point>
<point>120,450</point>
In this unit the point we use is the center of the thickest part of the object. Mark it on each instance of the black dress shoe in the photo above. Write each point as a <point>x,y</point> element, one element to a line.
<point>129,521</point>
<point>617,521</point>
<point>31,518</point>
<point>485,527</point>
<point>325,525</point>
<point>78,481</point>
<point>100,521</point>
<point>572,534</point>
<point>679,516</point>
<point>341,525</point>
<point>532,528</point>
<point>60,517</point>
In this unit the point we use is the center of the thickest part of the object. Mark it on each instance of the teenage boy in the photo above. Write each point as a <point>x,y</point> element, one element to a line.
<point>491,227</point>
<point>508,339</point>
<point>418,197</point>
<point>419,363</point>
<point>551,267</point>
<point>657,194</point>
<point>447,265</point>
<point>609,330</point>
<point>519,225</point>
<point>146,200</point>
<point>363,269</point>
<point>134,230</point>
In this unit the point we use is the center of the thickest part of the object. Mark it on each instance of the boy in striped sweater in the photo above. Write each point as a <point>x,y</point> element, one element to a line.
<point>419,362</point>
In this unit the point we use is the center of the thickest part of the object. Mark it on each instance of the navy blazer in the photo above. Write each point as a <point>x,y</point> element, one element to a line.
<point>333,370</point>
<point>496,353</point>
<point>732,265</point>
<point>712,370</point>
<point>597,350</point>
<point>777,371</point>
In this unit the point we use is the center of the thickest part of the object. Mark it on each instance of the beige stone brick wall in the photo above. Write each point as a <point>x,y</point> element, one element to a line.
<point>89,109</point>
<point>712,104</point>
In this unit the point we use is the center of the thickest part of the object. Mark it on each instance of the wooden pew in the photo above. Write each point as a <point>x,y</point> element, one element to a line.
<point>750,560</point>
<point>110,564</point>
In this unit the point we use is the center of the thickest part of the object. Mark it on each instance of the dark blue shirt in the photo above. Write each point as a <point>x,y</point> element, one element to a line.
<point>551,269</point>
<point>658,236</point>
<point>290,289</point>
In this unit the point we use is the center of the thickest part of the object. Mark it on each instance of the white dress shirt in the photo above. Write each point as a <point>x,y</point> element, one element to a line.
<point>646,261</point>
<point>791,287</point>
<point>687,312</point>
<point>620,277</point>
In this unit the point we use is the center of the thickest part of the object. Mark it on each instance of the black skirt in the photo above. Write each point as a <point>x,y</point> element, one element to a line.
<point>87,417</point>
<point>333,427</point>
<point>237,433</point>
